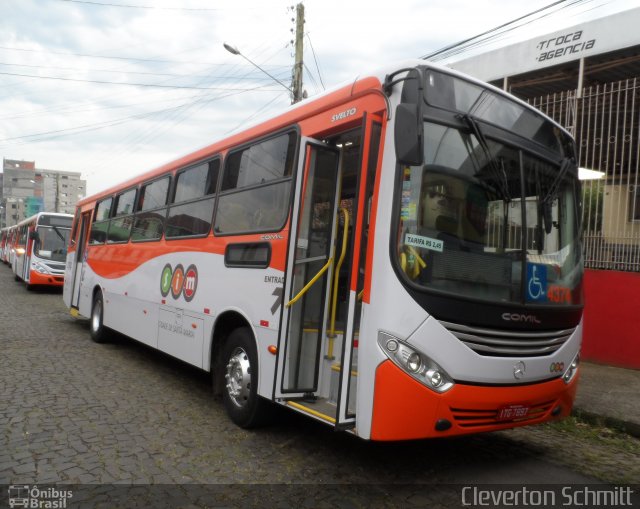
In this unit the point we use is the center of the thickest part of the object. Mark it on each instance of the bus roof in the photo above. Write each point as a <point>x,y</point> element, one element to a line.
<point>360,85</point>
<point>35,217</point>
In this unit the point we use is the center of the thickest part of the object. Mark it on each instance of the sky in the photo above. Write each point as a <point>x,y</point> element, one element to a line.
<point>112,88</point>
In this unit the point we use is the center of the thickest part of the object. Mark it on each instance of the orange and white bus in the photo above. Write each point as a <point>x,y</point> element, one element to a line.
<point>40,249</point>
<point>7,250</point>
<point>399,258</point>
<point>5,236</point>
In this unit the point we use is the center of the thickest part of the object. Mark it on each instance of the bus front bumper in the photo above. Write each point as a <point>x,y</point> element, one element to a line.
<point>404,409</point>
<point>35,278</point>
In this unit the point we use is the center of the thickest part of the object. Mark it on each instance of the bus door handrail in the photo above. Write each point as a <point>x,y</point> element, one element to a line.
<point>310,283</point>
<point>331,333</point>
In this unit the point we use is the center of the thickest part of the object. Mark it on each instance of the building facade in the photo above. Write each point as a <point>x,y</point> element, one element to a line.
<point>27,190</point>
<point>587,77</point>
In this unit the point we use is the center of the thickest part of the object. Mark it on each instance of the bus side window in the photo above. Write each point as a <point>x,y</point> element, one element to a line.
<point>191,213</point>
<point>76,228</point>
<point>256,187</point>
<point>100,222</point>
<point>120,224</point>
<point>151,211</point>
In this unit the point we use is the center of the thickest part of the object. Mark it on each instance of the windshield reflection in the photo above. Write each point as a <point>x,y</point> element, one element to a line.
<point>52,243</point>
<point>470,225</point>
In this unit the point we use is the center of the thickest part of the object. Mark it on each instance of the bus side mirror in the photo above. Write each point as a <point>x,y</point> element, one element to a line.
<point>34,235</point>
<point>409,131</point>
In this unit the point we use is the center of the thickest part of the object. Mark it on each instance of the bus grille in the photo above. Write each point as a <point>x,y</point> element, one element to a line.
<point>55,267</point>
<point>474,418</point>
<point>501,343</point>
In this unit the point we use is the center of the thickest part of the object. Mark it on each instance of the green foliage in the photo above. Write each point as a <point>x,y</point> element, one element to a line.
<point>592,199</point>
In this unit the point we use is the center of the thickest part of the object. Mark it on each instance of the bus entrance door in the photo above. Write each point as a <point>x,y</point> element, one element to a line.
<point>73,275</point>
<point>310,266</point>
<point>319,327</point>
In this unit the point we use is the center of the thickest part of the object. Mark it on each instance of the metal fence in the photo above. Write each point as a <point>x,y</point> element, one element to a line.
<point>605,121</point>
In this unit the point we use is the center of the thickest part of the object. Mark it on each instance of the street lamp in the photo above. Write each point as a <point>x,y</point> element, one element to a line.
<point>235,51</point>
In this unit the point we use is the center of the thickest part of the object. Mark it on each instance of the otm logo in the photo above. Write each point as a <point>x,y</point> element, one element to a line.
<point>178,281</point>
<point>556,367</point>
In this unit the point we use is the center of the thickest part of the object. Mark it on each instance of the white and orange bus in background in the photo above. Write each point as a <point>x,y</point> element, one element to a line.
<point>7,244</point>
<point>398,258</point>
<point>40,249</point>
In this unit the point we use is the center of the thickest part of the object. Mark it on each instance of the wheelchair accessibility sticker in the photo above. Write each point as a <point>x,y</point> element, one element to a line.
<point>536,282</point>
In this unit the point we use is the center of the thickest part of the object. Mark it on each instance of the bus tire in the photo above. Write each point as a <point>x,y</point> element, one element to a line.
<point>240,384</point>
<point>96,323</point>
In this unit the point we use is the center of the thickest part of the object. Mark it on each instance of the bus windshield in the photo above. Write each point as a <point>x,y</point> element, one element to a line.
<point>489,221</point>
<point>52,243</point>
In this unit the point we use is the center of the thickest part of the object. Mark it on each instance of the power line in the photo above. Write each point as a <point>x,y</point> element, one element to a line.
<point>148,7</point>
<point>316,62</point>
<point>253,115</point>
<point>499,35</point>
<point>311,77</point>
<point>120,83</point>
<point>69,108</point>
<point>112,71</point>
<point>114,57</point>
<point>173,118</point>
<point>108,123</point>
<point>459,46</point>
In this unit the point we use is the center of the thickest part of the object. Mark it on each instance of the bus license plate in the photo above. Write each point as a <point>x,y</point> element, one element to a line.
<point>510,412</point>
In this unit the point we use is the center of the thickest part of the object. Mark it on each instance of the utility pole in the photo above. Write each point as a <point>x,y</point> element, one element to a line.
<point>296,82</point>
<point>57,192</point>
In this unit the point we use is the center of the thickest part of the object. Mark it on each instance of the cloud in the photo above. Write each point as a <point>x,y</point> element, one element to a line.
<point>130,129</point>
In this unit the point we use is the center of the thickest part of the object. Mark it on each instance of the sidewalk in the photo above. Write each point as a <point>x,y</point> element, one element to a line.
<point>610,396</point>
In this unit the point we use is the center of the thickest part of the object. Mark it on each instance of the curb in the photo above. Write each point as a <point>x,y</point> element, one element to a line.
<point>631,428</point>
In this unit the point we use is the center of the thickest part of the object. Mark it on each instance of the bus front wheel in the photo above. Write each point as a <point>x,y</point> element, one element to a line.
<point>240,393</point>
<point>98,330</point>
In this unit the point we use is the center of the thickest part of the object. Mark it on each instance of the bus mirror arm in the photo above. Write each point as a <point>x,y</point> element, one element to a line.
<point>409,134</point>
<point>34,235</point>
<point>409,124</point>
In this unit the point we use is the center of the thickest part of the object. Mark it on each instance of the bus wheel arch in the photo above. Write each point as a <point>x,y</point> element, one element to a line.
<point>97,328</point>
<point>226,323</point>
<point>235,370</point>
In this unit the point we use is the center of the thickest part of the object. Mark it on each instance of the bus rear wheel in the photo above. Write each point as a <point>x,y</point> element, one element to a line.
<point>240,393</point>
<point>97,328</point>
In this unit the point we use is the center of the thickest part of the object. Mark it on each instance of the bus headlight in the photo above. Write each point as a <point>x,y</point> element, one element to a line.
<point>415,363</point>
<point>571,370</point>
<point>39,267</point>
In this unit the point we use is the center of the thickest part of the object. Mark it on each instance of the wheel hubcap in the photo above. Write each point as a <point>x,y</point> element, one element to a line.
<point>95,317</point>
<point>238,377</point>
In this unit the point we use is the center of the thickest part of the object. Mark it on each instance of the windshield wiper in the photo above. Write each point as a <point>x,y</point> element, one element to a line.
<point>552,192</point>
<point>546,202</point>
<point>498,172</point>
<point>59,234</point>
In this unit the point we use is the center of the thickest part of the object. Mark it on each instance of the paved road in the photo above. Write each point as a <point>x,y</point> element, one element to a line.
<point>72,411</point>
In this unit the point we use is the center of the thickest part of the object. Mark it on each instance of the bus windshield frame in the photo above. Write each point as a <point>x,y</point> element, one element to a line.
<point>494,212</point>
<point>52,238</point>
